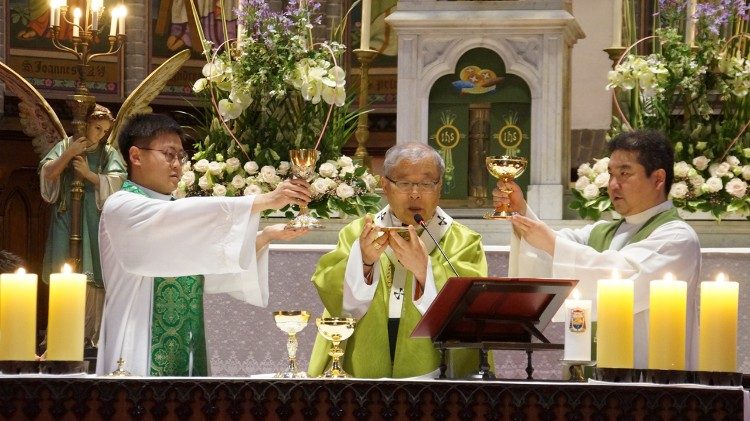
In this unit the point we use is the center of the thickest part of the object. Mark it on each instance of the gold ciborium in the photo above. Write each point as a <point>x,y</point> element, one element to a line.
<point>303,166</point>
<point>505,168</point>
<point>336,329</point>
<point>291,322</point>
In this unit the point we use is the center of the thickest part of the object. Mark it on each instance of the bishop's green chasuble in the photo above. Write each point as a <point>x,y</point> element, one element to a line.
<point>178,343</point>
<point>367,351</point>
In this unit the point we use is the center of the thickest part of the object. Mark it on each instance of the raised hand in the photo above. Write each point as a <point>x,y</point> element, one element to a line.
<point>288,192</point>
<point>536,233</point>
<point>412,253</point>
<point>371,242</point>
<point>510,193</point>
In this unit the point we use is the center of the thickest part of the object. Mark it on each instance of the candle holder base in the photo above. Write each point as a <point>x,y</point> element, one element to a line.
<point>617,375</point>
<point>63,367</point>
<point>718,378</point>
<point>19,367</point>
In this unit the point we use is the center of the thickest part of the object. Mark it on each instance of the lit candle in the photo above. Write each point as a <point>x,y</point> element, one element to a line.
<point>690,23</point>
<point>67,303</point>
<point>717,349</point>
<point>113,24</point>
<point>617,24</point>
<point>614,332</point>
<point>52,6</point>
<point>18,316</point>
<point>76,22</point>
<point>364,42</point>
<point>666,328</point>
<point>123,15</point>
<point>577,328</point>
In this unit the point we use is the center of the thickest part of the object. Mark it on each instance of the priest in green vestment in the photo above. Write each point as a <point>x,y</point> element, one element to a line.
<point>103,171</point>
<point>649,241</point>
<point>387,281</point>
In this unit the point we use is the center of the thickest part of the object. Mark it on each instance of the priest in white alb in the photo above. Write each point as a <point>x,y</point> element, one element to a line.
<point>649,241</point>
<point>159,256</point>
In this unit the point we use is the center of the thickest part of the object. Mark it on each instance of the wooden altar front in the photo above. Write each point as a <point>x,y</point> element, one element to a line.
<point>243,398</point>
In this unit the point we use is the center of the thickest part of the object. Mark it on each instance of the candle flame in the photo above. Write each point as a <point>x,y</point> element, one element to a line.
<point>123,10</point>
<point>21,271</point>
<point>67,269</point>
<point>77,13</point>
<point>721,277</point>
<point>576,294</point>
<point>669,277</point>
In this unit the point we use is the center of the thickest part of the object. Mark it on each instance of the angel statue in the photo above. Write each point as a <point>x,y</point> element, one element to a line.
<point>93,158</point>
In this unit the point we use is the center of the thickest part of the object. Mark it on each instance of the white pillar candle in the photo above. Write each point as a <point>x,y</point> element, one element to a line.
<point>123,15</point>
<point>364,42</point>
<point>717,349</point>
<point>667,324</point>
<point>113,23</point>
<point>577,328</point>
<point>614,331</point>
<point>18,316</point>
<point>67,305</point>
<point>617,23</point>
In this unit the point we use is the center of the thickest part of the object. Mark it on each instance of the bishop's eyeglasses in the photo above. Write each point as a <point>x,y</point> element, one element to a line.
<point>408,186</point>
<point>170,154</point>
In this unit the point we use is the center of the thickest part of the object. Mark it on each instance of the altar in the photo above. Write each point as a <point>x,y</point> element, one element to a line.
<point>247,398</point>
<point>244,340</point>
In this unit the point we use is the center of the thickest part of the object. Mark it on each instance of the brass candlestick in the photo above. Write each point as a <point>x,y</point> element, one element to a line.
<point>365,58</point>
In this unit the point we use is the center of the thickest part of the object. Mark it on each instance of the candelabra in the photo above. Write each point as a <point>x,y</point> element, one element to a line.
<point>365,58</point>
<point>81,102</point>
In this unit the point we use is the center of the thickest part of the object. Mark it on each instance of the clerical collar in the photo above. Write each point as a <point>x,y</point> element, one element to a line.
<point>152,194</point>
<point>641,218</point>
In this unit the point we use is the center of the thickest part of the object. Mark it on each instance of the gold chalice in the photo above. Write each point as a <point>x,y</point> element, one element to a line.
<point>291,322</point>
<point>336,329</point>
<point>505,168</point>
<point>303,166</point>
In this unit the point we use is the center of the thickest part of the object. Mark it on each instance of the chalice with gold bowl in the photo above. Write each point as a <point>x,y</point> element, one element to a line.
<point>303,167</point>
<point>291,322</point>
<point>504,168</point>
<point>336,329</point>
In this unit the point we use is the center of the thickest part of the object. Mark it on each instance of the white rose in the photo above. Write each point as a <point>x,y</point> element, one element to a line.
<point>602,180</point>
<point>721,170</point>
<point>736,187</point>
<point>701,162</point>
<point>696,180</point>
<point>681,169</point>
<point>201,166</point>
<point>251,167</point>
<point>327,170</point>
<point>284,167</point>
<point>220,190</point>
<point>344,161</point>
<point>216,168</point>
<point>267,174</point>
<point>232,165</point>
<point>590,192</point>
<point>320,186</point>
<point>188,178</point>
<point>370,180</point>
<point>346,170</point>
<point>344,191</point>
<point>238,182</point>
<point>712,185</point>
<point>203,183</point>
<point>585,170</point>
<point>601,165</point>
<point>186,167</point>
<point>679,190</point>
<point>582,182</point>
<point>733,161</point>
<point>746,172</point>
<point>252,189</point>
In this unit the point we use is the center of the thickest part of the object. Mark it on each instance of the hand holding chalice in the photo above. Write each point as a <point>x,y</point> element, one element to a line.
<point>504,168</point>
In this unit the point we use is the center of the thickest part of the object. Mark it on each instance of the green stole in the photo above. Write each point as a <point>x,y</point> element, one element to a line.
<point>601,235</point>
<point>178,341</point>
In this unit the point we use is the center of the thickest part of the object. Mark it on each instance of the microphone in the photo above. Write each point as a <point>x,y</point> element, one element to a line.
<point>419,220</point>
